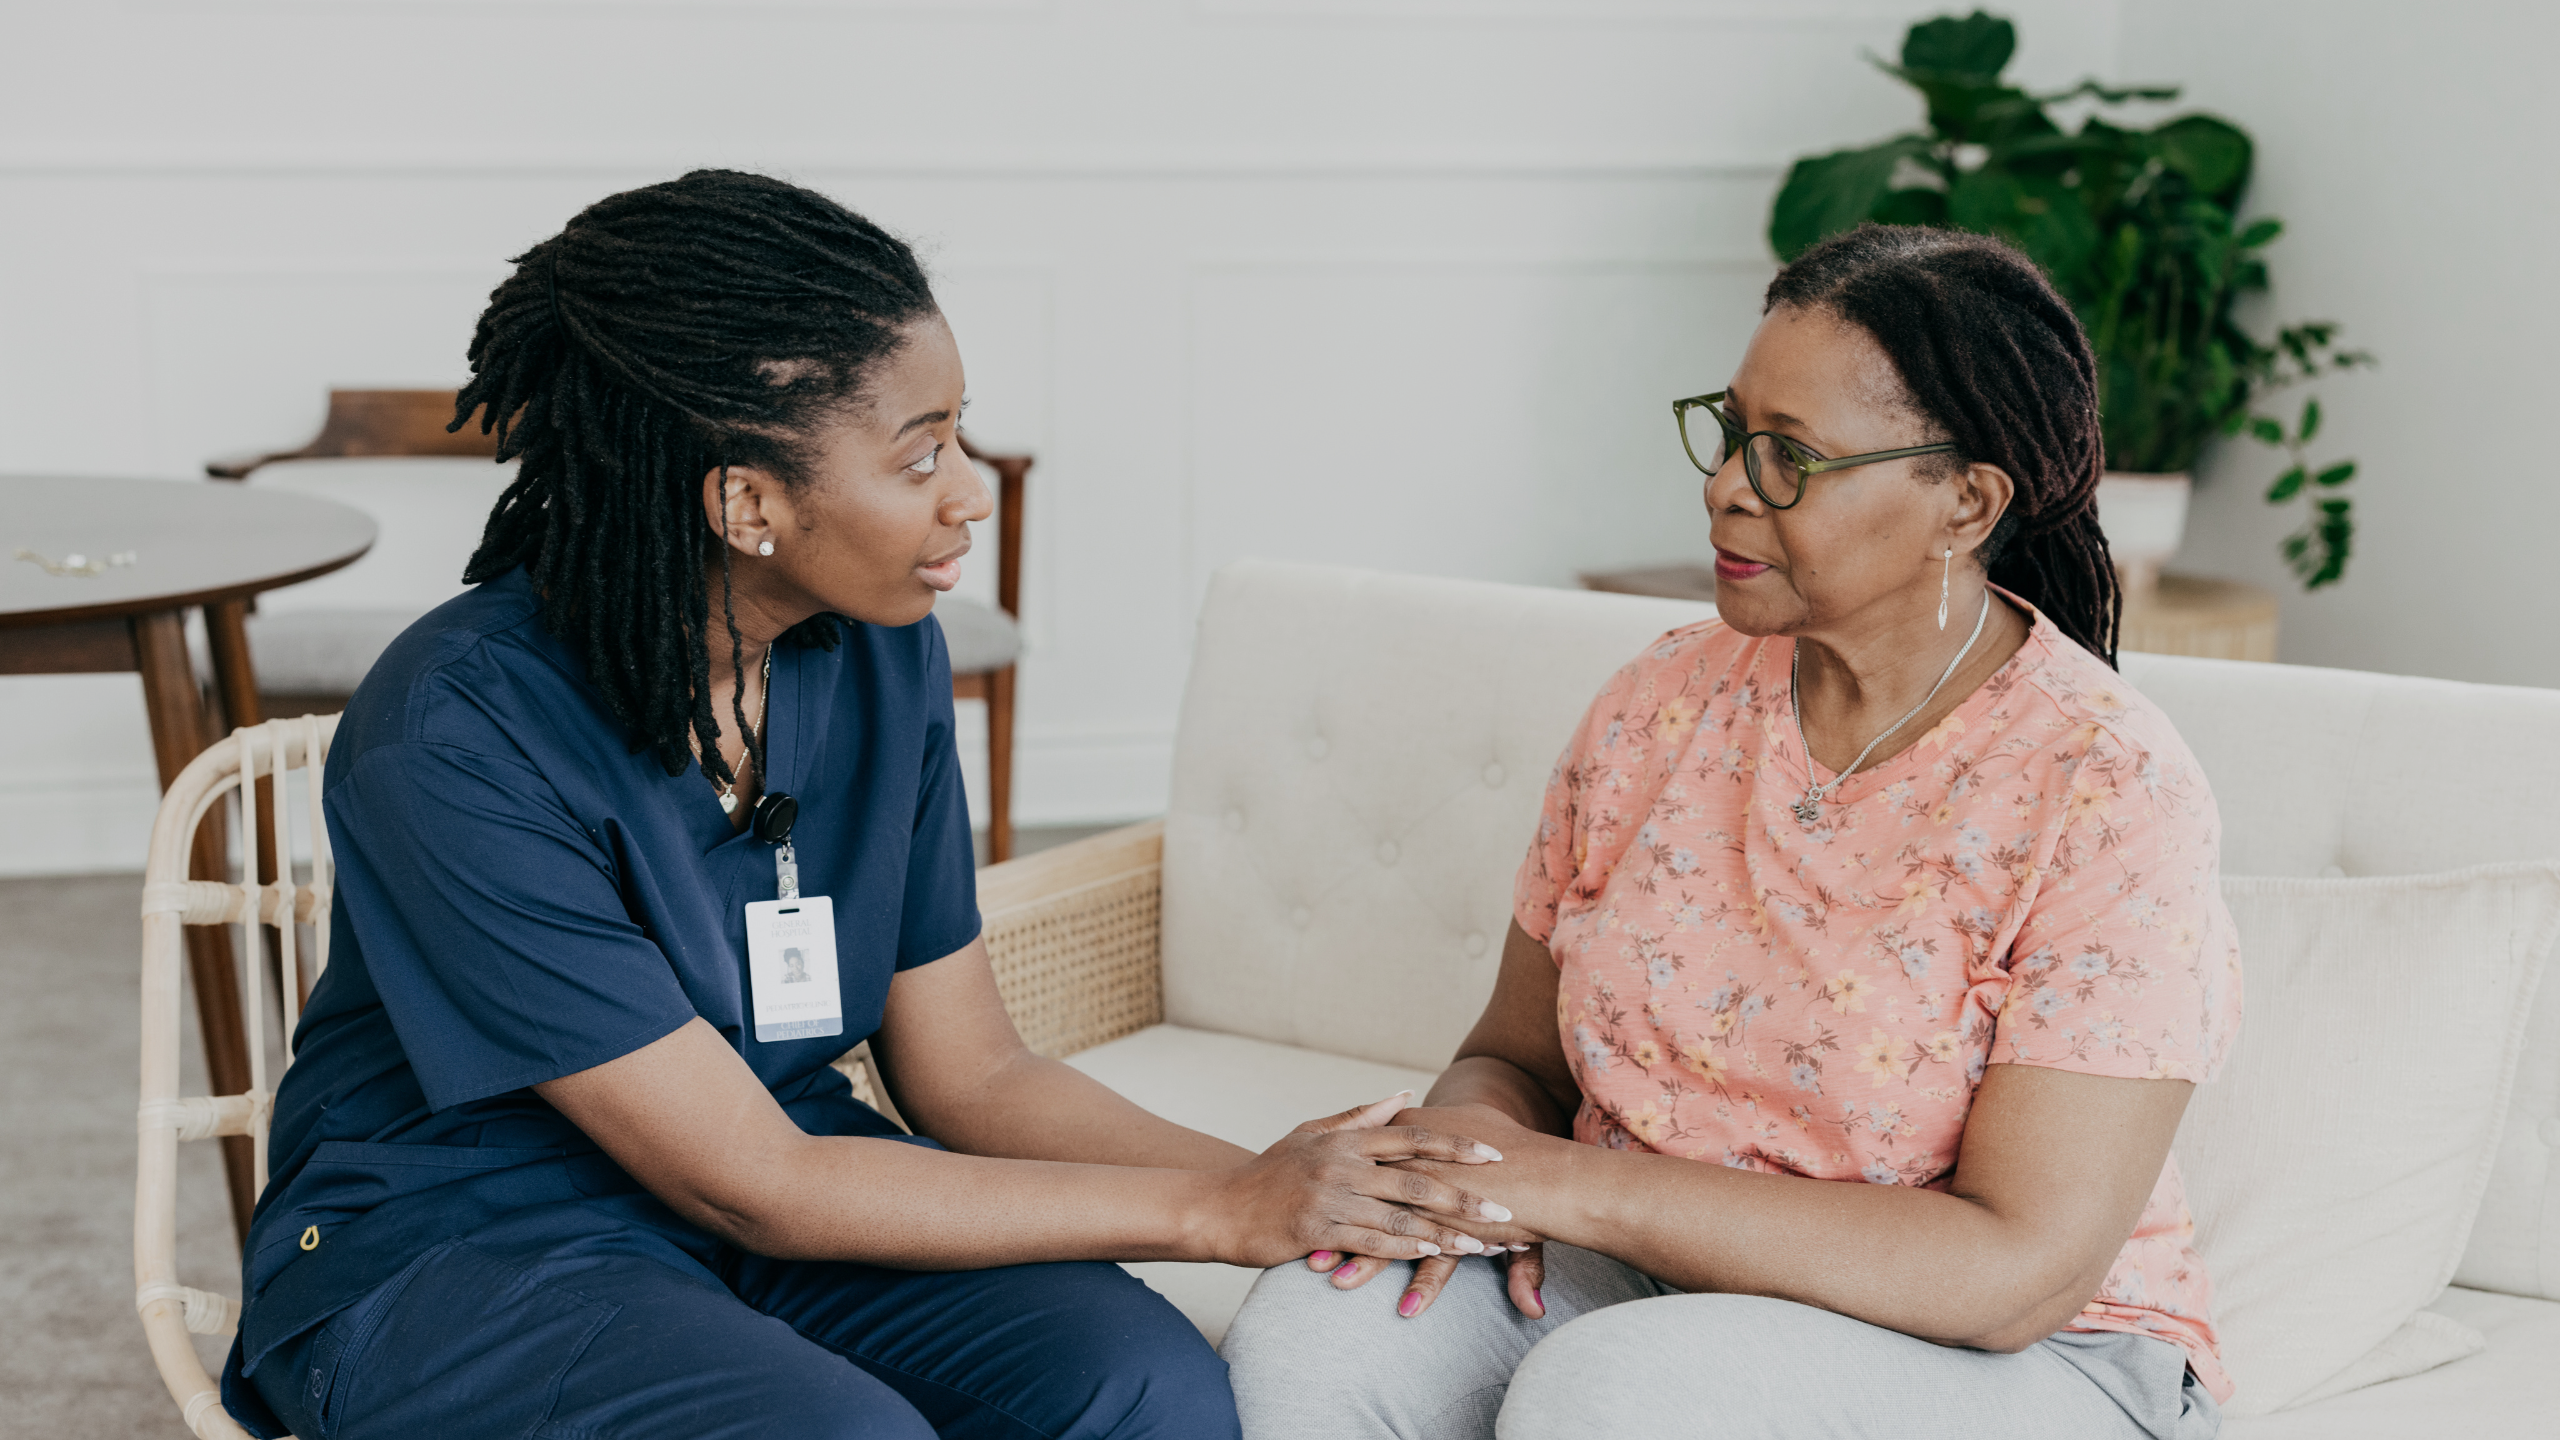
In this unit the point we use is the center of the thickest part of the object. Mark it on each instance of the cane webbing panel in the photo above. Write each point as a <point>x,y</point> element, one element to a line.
<point>1082,966</point>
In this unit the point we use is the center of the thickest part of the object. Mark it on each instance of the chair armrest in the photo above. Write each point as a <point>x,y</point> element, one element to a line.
<point>1073,933</point>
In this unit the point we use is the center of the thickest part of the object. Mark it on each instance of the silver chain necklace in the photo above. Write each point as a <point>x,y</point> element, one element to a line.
<point>1809,809</point>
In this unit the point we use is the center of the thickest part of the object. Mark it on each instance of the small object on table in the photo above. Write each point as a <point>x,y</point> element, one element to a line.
<point>2191,615</point>
<point>1670,582</point>
<point>103,575</point>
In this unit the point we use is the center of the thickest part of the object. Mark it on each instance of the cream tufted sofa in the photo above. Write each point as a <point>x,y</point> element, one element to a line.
<point>1360,761</point>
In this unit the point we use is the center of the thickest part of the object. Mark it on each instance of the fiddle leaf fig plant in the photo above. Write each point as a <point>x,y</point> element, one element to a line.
<point>2138,229</point>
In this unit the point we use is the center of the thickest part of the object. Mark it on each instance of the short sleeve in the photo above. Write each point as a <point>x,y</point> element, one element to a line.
<point>489,922</point>
<point>1560,850</point>
<point>2127,964</point>
<point>941,902</point>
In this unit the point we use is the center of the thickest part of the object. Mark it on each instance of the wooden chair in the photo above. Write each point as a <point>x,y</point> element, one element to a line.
<point>333,649</point>
<point>1072,933</point>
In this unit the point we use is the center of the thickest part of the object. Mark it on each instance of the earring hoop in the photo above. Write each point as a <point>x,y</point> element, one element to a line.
<point>766,548</point>
<point>1946,573</point>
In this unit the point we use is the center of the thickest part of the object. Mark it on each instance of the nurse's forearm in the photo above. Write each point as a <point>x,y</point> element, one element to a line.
<point>883,1202</point>
<point>688,1120</point>
<point>1035,1108</point>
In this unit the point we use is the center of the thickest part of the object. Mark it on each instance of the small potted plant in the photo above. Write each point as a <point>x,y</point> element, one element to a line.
<point>2139,229</point>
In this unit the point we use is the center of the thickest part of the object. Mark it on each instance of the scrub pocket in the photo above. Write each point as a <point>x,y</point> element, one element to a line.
<point>460,1333</point>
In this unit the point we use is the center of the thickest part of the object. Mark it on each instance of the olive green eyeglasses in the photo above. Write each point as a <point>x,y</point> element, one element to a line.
<point>1776,466</point>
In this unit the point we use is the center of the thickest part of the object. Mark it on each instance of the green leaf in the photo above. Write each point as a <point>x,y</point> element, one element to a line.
<point>2288,485</point>
<point>1826,194</point>
<point>2214,155</point>
<point>2338,474</point>
<point>2041,216</point>
<point>2261,232</point>
<point>1978,46</point>
<point>2310,421</point>
<point>1911,207</point>
<point>2266,429</point>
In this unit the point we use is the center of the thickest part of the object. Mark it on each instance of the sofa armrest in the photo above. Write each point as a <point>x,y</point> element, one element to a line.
<point>1073,935</point>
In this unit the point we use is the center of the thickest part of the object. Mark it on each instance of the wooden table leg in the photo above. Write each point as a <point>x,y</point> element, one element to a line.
<point>235,682</point>
<point>177,734</point>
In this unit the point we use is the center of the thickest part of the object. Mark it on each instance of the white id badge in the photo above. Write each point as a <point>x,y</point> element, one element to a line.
<point>791,968</point>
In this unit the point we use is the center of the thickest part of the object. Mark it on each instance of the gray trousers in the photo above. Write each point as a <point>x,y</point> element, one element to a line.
<point>1620,1355</point>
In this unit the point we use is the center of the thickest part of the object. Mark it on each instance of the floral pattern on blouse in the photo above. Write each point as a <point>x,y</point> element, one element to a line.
<point>2033,881</point>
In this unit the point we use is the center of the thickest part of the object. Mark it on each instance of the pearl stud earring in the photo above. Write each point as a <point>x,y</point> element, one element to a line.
<point>766,548</point>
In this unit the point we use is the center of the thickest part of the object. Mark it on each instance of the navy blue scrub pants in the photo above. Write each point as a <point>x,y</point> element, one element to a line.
<point>550,1324</point>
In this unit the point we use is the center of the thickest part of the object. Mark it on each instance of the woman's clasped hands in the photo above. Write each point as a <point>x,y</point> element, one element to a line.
<point>1350,1185</point>
<point>1520,1252</point>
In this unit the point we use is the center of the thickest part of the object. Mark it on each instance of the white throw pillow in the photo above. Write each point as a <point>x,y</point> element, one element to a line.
<point>2336,1167</point>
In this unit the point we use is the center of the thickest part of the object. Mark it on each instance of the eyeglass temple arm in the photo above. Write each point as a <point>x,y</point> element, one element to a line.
<point>1824,467</point>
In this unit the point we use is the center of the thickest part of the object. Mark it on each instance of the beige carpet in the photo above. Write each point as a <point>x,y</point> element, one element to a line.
<point>72,1358</point>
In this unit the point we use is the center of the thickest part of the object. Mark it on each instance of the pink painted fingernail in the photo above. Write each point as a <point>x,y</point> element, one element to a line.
<point>1411,1302</point>
<point>1540,1296</point>
<point>1323,1259</point>
<point>1347,1267</point>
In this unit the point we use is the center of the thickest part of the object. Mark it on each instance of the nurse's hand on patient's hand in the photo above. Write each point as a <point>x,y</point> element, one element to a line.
<point>1523,1257</point>
<point>1327,1186</point>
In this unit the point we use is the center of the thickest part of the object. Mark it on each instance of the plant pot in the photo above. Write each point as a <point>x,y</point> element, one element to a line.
<point>2145,518</point>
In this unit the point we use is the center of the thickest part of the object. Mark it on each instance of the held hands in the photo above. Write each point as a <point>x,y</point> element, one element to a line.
<point>1521,1253</point>
<point>1327,1186</point>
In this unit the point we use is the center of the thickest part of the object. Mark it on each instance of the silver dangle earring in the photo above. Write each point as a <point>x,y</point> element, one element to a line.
<point>1946,573</point>
<point>766,548</point>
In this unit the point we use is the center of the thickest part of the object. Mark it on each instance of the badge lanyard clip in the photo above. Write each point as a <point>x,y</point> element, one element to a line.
<point>786,873</point>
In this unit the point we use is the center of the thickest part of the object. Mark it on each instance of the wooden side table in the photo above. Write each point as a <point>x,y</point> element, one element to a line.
<point>147,552</point>
<point>2191,615</point>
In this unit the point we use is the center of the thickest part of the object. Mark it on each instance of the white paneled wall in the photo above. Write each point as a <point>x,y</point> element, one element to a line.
<point>1405,283</point>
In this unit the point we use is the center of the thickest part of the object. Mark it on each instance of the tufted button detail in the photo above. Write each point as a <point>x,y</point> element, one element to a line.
<point>1475,944</point>
<point>1235,820</point>
<point>1301,916</point>
<point>1387,852</point>
<point>1494,776</point>
<point>1316,748</point>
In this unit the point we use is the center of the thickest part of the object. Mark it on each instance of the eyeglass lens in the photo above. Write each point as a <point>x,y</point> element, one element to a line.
<point>1771,469</point>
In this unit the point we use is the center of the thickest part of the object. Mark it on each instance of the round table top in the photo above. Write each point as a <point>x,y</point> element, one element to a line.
<point>144,545</point>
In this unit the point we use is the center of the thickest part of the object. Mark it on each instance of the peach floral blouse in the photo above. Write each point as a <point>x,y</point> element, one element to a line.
<point>2032,882</point>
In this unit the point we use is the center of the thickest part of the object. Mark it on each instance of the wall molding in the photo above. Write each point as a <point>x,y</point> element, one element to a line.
<point>156,161</point>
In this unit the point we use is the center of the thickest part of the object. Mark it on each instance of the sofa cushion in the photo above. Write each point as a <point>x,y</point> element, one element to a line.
<point>2510,1391</point>
<point>2335,1169</point>
<point>2320,771</point>
<point>1358,769</point>
<point>1250,1092</point>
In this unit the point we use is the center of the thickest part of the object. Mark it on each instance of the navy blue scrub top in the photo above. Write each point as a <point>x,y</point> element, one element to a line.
<point>521,897</point>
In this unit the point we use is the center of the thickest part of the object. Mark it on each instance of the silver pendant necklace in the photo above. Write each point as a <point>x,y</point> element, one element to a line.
<point>747,749</point>
<point>1809,809</point>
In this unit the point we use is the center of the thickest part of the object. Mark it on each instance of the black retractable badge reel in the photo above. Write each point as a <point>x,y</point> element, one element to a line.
<point>791,941</point>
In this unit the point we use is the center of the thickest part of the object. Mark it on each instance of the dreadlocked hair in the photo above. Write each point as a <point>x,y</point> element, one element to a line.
<point>1998,364</point>
<point>668,332</point>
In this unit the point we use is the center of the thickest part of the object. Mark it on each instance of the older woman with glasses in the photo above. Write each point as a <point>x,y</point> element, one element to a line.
<point>1863,961</point>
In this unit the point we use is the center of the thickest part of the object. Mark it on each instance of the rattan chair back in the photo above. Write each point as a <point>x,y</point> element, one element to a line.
<point>236,766</point>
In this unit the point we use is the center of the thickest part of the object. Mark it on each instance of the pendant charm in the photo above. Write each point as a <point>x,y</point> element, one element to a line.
<point>729,804</point>
<point>1809,812</point>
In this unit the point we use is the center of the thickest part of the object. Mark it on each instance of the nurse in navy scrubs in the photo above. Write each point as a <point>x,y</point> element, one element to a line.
<point>561,1153</point>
